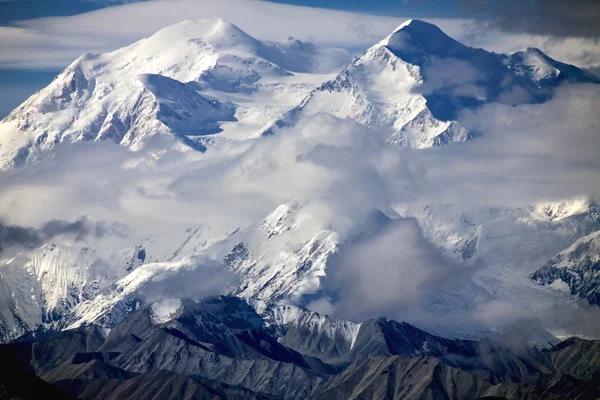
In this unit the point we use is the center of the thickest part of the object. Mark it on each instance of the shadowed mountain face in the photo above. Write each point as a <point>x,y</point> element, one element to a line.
<point>18,382</point>
<point>458,77</point>
<point>200,354</point>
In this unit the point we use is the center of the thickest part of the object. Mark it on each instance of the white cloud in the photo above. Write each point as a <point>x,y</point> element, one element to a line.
<point>387,273</point>
<point>526,154</point>
<point>54,42</point>
<point>195,278</point>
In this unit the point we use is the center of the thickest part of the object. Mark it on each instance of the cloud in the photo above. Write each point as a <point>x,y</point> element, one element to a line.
<point>78,230</point>
<point>530,152</point>
<point>384,274</point>
<point>565,318</point>
<point>194,278</point>
<point>55,42</point>
<point>523,150</point>
<point>451,73</point>
<point>546,17</point>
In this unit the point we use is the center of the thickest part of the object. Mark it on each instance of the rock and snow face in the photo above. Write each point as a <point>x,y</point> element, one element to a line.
<point>284,258</point>
<point>39,288</point>
<point>308,332</point>
<point>557,211</point>
<point>44,286</point>
<point>503,246</point>
<point>415,82</point>
<point>178,82</point>
<point>575,270</point>
<point>499,236</point>
<point>270,268</point>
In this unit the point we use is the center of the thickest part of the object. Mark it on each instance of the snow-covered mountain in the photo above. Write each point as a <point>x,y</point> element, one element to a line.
<point>415,82</point>
<point>471,233</point>
<point>506,245</point>
<point>39,288</point>
<point>282,259</point>
<point>210,78</point>
<point>575,270</point>
<point>189,80</point>
<point>206,81</point>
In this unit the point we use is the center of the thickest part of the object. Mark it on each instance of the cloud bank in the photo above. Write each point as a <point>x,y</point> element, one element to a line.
<point>386,273</point>
<point>78,230</point>
<point>531,153</point>
<point>55,42</point>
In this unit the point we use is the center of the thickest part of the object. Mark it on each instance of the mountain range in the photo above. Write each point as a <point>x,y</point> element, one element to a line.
<point>203,81</point>
<point>223,347</point>
<point>223,310</point>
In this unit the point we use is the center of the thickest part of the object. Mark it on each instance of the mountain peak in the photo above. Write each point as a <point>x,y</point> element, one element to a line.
<point>414,23</point>
<point>215,31</point>
<point>417,38</point>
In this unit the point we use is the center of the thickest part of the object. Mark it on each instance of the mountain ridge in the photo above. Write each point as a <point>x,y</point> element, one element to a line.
<point>251,364</point>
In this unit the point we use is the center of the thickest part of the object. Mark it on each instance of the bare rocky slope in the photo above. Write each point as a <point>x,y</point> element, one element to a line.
<point>194,354</point>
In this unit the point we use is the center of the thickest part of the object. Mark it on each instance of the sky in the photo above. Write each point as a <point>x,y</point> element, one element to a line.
<point>39,38</point>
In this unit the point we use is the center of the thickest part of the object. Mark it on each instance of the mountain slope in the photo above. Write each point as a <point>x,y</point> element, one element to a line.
<point>487,358</point>
<point>155,385</point>
<point>577,357</point>
<point>403,378</point>
<point>415,82</point>
<point>39,288</point>
<point>221,347</point>
<point>17,382</point>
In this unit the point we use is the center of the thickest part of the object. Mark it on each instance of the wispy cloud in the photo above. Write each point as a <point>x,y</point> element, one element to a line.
<point>78,230</point>
<point>54,42</point>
